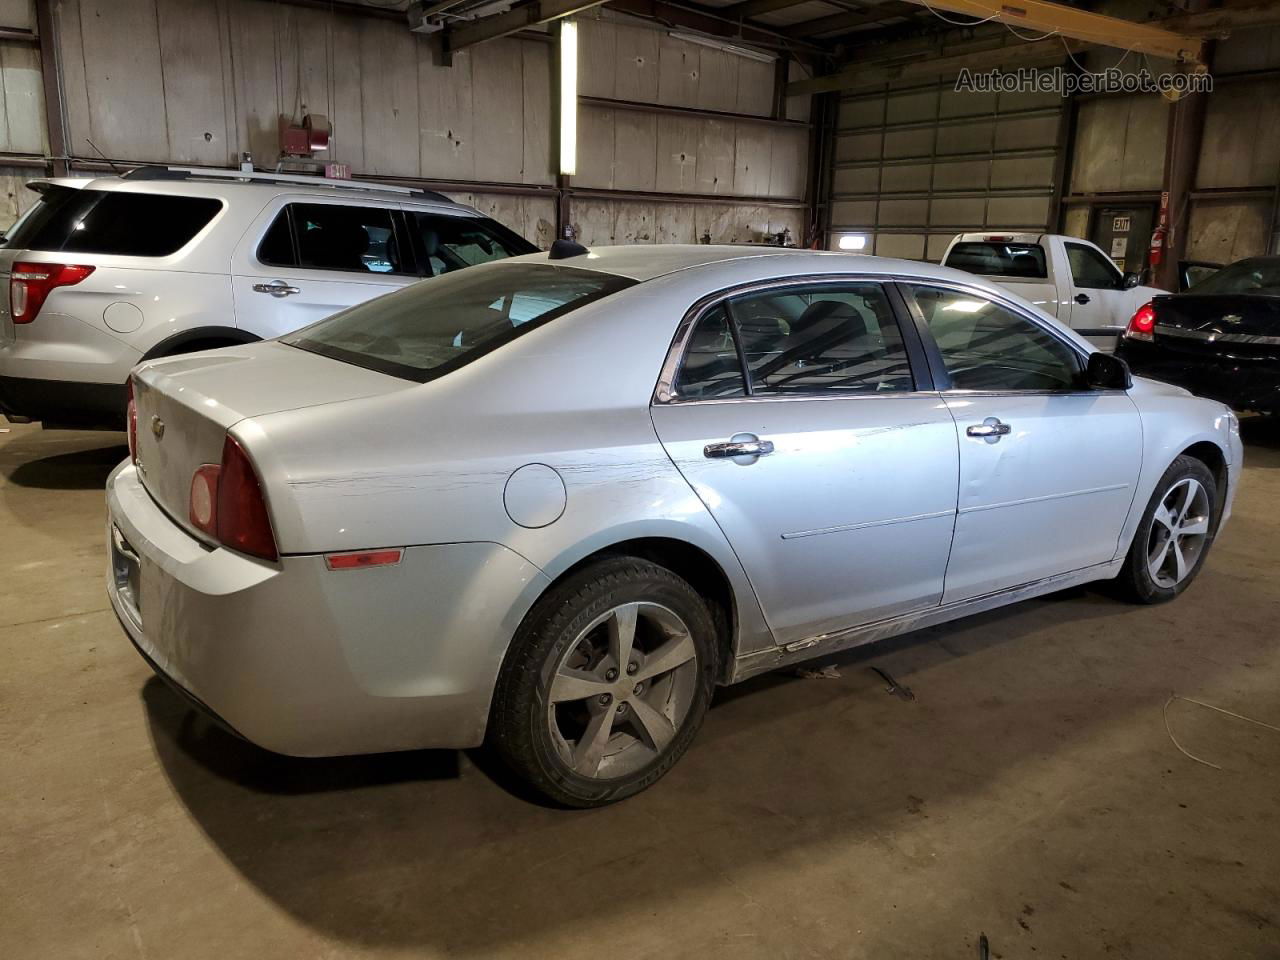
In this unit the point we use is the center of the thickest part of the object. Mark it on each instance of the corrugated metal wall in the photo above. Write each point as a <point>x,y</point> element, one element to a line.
<point>203,81</point>
<point>625,148</point>
<point>1238,176</point>
<point>914,166</point>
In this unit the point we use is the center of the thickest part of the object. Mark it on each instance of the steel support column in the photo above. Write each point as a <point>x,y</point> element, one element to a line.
<point>1182,157</point>
<point>51,73</point>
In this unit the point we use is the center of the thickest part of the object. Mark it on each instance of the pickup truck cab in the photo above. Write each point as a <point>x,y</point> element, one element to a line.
<point>1065,276</point>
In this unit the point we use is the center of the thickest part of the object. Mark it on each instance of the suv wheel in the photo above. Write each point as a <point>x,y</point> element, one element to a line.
<point>1174,536</point>
<point>606,683</point>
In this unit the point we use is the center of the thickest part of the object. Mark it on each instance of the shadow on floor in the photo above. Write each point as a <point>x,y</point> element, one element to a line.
<point>77,470</point>
<point>422,849</point>
<point>1262,433</point>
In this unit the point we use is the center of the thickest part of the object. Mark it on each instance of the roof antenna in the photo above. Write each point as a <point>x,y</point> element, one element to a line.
<point>563,249</point>
<point>115,169</point>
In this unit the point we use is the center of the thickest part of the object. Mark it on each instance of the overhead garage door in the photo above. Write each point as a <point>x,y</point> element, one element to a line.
<point>915,166</point>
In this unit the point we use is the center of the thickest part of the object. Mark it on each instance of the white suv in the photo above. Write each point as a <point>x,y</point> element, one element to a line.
<point>104,273</point>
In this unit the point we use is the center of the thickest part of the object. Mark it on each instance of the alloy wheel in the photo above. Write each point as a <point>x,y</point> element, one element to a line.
<point>1179,531</point>
<point>622,690</point>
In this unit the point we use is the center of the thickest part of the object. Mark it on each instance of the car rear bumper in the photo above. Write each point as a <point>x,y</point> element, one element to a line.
<point>1241,384</point>
<point>65,372</point>
<point>64,403</point>
<point>306,661</point>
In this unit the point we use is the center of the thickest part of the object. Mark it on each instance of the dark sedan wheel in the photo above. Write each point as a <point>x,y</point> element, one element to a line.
<point>606,683</point>
<point>1175,534</point>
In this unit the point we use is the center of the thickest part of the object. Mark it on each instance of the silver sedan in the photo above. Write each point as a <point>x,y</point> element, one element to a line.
<point>548,504</point>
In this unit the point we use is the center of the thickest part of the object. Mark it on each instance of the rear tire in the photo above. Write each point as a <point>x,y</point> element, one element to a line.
<point>605,684</point>
<point>1174,536</point>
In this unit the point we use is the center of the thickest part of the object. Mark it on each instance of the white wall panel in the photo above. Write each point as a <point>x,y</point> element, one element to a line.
<point>22,123</point>
<point>15,198</point>
<point>219,75</point>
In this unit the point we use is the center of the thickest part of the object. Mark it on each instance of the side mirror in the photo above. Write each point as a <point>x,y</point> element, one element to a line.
<point>1131,280</point>
<point>1107,372</point>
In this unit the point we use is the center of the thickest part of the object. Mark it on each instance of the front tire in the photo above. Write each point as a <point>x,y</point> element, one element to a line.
<point>606,683</point>
<point>1174,536</point>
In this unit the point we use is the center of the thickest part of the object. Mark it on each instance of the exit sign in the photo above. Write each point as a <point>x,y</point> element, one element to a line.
<point>337,171</point>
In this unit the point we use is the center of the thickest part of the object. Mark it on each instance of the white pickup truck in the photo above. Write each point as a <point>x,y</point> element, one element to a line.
<point>1067,277</point>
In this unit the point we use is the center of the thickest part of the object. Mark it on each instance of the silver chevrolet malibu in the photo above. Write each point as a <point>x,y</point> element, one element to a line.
<point>549,503</point>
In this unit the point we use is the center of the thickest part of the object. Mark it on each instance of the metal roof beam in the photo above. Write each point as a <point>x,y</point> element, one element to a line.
<point>513,21</point>
<point>1045,17</point>
<point>1007,58</point>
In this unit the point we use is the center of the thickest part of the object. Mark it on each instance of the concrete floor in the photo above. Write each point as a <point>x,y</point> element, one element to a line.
<point>1030,791</point>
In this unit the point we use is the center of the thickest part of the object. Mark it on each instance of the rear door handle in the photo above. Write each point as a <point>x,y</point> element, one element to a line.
<point>277,288</point>
<point>1082,298</point>
<point>740,445</point>
<point>990,430</point>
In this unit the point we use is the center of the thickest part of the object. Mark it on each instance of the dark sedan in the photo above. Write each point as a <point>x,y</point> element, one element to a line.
<point>1220,339</point>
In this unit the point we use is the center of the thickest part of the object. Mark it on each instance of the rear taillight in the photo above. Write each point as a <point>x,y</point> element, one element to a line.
<point>1142,324</point>
<point>133,424</point>
<point>31,283</point>
<point>227,503</point>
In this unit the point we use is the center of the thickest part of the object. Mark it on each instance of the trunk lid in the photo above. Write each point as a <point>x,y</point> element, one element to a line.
<point>186,404</point>
<point>1241,327</point>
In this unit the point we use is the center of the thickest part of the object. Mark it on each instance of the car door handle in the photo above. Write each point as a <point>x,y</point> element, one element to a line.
<point>277,288</point>
<point>990,430</point>
<point>1082,298</point>
<point>736,447</point>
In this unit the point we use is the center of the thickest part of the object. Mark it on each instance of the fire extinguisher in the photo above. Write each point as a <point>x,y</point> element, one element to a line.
<point>1156,253</point>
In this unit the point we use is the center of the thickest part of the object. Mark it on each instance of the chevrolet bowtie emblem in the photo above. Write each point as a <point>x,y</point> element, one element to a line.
<point>157,427</point>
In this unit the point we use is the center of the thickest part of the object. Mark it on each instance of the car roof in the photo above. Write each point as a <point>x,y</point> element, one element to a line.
<point>226,183</point>
<point>652,260</point>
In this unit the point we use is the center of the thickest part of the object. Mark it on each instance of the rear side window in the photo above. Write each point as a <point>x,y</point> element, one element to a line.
<point>330,236</point>
<point>451,243</point>
<point>990,258</point>
<point>841,339</point>
<point>1256,275</point>
<point>429,329</point>
<point>829,340</point>
<point>711,366</point>
<point>112,222</point>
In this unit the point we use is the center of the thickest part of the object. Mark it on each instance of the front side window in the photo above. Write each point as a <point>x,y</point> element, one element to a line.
<point>429,329</point>
<point>1091,270</point>
<point>989,347</point>
<point>330,236</point>
<point>451,243</point>
<point>830,338</point>
<point>996,258</point>
<point>119,222</point>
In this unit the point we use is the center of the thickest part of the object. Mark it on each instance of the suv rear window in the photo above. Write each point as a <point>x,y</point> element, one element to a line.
<point>112,221</point>
<point>429,329</point>
<point>994,258</point>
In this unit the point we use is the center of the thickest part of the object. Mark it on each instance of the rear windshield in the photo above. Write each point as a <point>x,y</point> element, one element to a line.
<point>101,221</point>
<point>1256,275</point>
<point>430,328</point>
<point>993,258</point>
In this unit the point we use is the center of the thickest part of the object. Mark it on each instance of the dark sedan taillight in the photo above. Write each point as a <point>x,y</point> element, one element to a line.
<point>31,283</point>
<point>1142,324</point>
<point>227,503</point>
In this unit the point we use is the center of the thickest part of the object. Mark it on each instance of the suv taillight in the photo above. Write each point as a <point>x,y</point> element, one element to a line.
<point>227,503</point>
<point>31,283</point>
<point>1142,324</point>
<point>132,416</point>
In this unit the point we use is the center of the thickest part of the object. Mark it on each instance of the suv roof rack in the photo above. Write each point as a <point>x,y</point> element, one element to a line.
<point>159,172</point>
